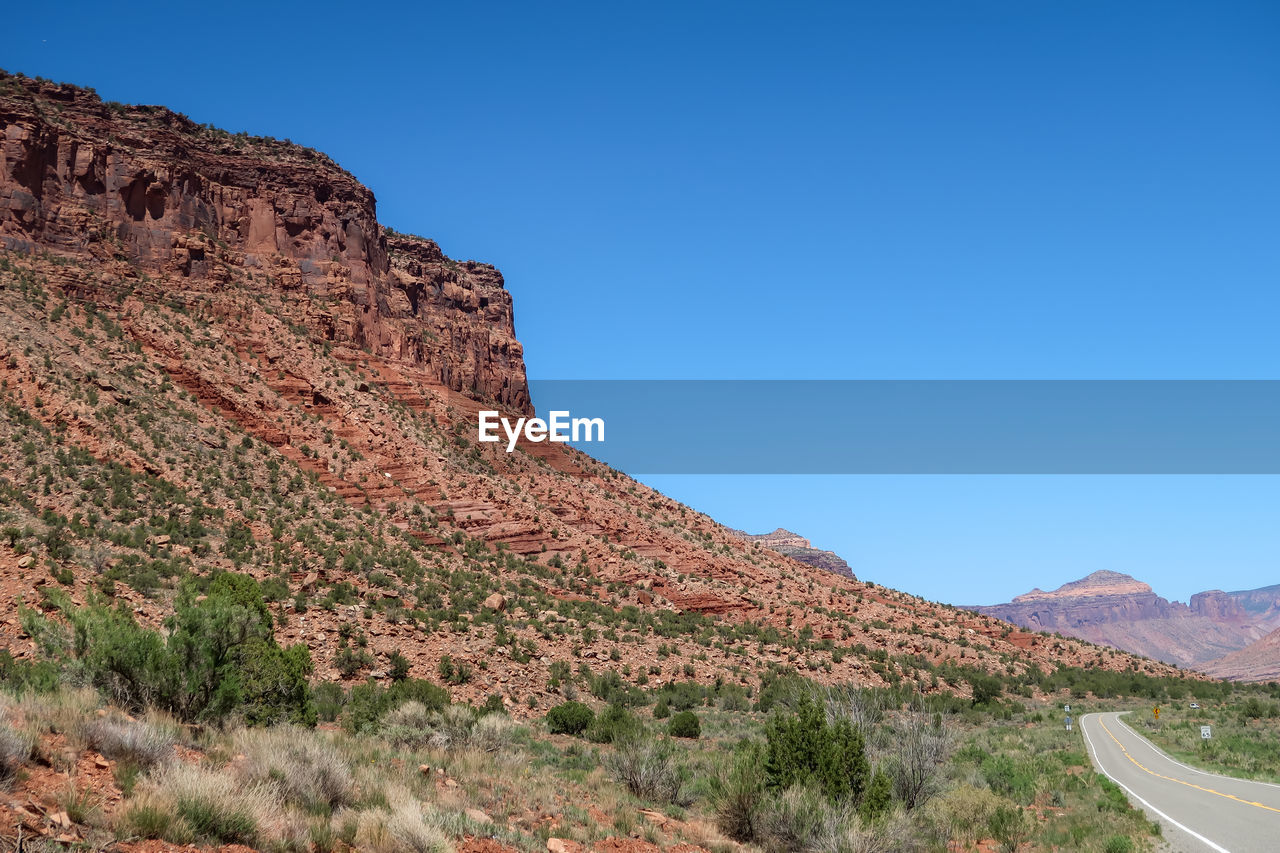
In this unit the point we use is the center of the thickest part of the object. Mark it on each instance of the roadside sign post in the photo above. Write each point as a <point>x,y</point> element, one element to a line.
<point>1156,711</point>
<point>1068,722</point>
<point>1067,708</point>
<point>1205,732</point>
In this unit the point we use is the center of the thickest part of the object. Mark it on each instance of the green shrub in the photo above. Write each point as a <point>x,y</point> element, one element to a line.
<point>685,724</point>
<point>367,703</point>
<point>878,798</point>
<point>274,684</point>
<point>1118,844</point>
<point>569,718</point>
<point>1009,826</point>
<point>1113,798</point>
<point>661,710</point>
<point>452,672</point>
<point>399,667</point>
<point>804,749</point>
<point>614,725</point>
<point>329,698</point>
<point>1010,778</point>
<point>219,656</point>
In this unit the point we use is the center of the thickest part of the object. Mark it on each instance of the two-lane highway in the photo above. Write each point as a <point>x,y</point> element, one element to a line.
<point>1199,810</point>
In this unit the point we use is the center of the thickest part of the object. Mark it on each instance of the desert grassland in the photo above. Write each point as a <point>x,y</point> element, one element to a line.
<point>1245,729</point>
<point>424,776</point>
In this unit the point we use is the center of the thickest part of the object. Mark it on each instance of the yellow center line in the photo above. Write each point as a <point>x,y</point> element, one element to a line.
<point>1140,766</point>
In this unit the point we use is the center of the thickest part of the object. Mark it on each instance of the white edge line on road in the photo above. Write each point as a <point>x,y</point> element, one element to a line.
<point>1165,755</point>
<point>1094,753</point>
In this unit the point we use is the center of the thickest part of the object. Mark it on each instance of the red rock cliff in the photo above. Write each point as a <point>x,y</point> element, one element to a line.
<point>180,200</point>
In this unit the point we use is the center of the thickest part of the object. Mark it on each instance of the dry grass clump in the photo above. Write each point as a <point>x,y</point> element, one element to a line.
<point>455,728</point>
<point>186,802</point>
<point>143,743</point>
<point>64,712</point>
<point>16,747</point>
<point>403,827</point>
<point>307,769</point>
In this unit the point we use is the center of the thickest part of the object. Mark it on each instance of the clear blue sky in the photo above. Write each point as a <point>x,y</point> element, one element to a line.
<point>712,190</point>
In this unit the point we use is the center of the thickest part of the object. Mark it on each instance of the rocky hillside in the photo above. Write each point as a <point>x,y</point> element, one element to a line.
<point>212,356</point>
<point>1114,609</point>
<point>798,548</point>
<point>1259,661</point>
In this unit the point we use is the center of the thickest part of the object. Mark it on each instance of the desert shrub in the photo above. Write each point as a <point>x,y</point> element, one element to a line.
<point>1118,844</point>
<point>453,727</point>
<point>457,727</point>
<point>307,769</point>
<point>892,834</point>
<point>432,696</point>
<point>454,672</point>
<point>877,800</point>
<point>274,684</point>
<point>16,748</point>
<point>140,743</point>
<point>661,710</point>
<point>921,748</point>
<point>610,687</point>
<point>19,676</point>
<point>329,698</point>
<point>492,732</point>
<point>569,718</point>
<point>367,703</point>
<point>964,812</point>
<point>147,817</point>
<point>1012,778</point>
<point>614,724</point>
<point>986,688</point>
<point>737,794</point>
<point>734,698</point>
<point>648,770</point>
<point>685,724</point>
<point>399,666</point>
<point>218,658</point>
<point>412,714</point>
<point>794,819</point>
<point>1009,826</point>
<point>803,748</point>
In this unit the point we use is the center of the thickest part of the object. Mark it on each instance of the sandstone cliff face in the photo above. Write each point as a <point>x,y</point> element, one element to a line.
<point>1116,610</point>
<point>798,548</point>
<point>149,186</point>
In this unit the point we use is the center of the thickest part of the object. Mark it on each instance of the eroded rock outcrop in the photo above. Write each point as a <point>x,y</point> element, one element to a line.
<point>798,548</point>
<point>147,185</point>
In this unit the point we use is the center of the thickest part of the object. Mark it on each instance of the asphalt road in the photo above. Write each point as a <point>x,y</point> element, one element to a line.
<point>1199,810</point>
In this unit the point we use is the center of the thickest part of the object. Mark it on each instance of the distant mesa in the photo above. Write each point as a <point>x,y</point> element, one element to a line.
<point>1099,583</point>
<point>797,547</point>
<point>1115,609</point>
